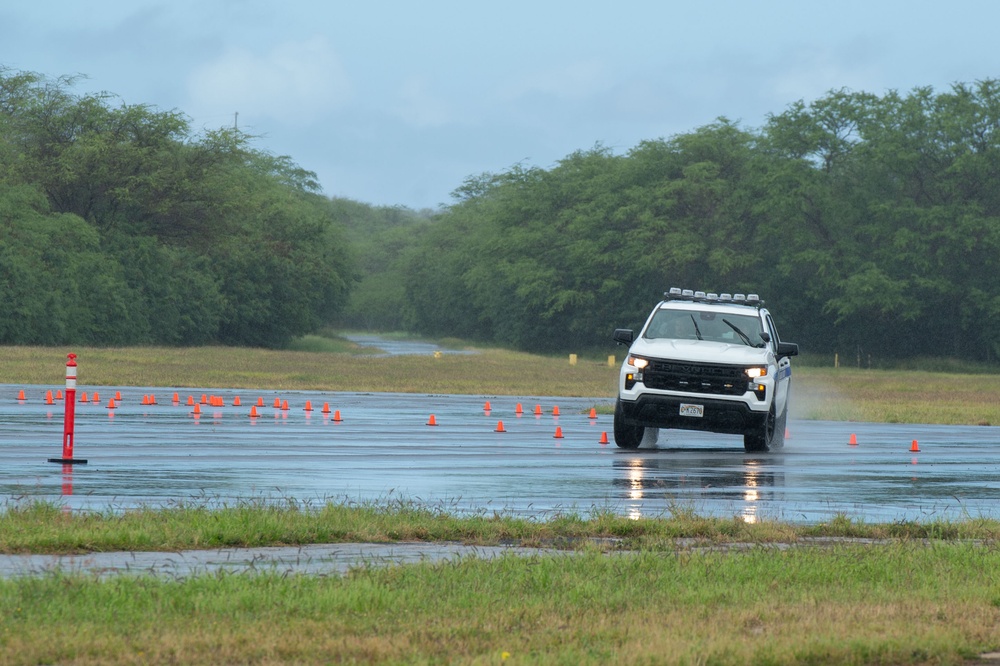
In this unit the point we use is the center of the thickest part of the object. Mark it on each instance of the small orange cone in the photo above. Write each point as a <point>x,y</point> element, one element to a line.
<point>145,400</point>
<point>555,411</point>
<point>487,406</point>
<point>558,434</point>
<point>236,402</point>
<point>284,405</point>
<point>260,401</point>
<point>326,408</point>
<point>277,403</point>
<point>538,410</point>
<point>20,394</point>
<point>48,397</point>
<point>152,399</point>
<point>593,412</point>
<point>96,397</point>
<point>518,410</point>
<point>336,416</point>
<point>59,394</point>
<point>913,447</point>
<point>308,407</point>
<point>499,427</point>
<point>190,401</point>
<point>432,421</point>
<point>253,412</point>
<point>204,399</point>
<point>853,441</point>
<point>83,397</point>
<point>197,409</point>
<point>111,404</point>
<point>604,438</point>
<point>118,396</point>
<point>177,398</point>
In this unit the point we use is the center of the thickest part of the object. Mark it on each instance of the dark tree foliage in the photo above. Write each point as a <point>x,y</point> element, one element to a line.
<point>118,226</point>
<point>871,225</point>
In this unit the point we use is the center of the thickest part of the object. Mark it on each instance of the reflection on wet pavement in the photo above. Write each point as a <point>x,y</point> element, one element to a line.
<point>383,449</point>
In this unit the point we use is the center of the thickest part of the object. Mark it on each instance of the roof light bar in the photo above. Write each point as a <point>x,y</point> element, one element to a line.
<point>678,294</point>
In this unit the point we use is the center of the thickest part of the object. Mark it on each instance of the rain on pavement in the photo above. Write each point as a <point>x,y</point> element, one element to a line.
<point>481,455</point>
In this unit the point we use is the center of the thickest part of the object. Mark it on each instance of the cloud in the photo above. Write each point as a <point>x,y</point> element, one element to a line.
<point>300,80</point>
<point>574,81</point>
<point>419,107</point>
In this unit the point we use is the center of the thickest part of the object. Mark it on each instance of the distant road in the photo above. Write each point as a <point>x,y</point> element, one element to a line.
<point>381,345</point>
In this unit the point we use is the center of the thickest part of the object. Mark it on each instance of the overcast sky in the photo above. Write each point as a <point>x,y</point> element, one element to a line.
<point>396,103</point>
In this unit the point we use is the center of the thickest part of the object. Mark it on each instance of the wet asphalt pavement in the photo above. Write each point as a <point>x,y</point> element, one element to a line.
<point>539,464</point>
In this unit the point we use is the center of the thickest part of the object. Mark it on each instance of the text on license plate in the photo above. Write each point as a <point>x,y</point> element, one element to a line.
<point>692,410</point>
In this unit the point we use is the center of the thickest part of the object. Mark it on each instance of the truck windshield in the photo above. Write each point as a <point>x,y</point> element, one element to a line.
<point>702,325</point>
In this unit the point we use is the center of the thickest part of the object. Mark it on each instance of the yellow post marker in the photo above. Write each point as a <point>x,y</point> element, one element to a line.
<point>611,361</point>
<point>572,359</point>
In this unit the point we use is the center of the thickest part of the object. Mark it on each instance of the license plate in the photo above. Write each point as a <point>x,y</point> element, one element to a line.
<point>692,410</point>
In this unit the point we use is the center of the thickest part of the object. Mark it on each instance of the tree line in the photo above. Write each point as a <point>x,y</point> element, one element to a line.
<point>869,224</point>
<point>119,225</point>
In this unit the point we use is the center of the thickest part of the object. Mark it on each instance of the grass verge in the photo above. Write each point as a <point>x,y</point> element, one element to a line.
<point>653,591</point>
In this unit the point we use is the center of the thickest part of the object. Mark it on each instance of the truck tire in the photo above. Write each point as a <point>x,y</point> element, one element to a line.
<point>760,437</point>
<point>626,436</point>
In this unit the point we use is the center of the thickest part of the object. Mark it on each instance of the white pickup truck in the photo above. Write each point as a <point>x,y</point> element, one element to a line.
<point>705,361</point>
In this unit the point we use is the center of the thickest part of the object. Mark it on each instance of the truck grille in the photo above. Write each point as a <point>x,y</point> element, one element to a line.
<point>695,378</point>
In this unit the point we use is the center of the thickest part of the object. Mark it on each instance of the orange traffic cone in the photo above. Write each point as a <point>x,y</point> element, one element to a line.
<point>913,447</point>
<point>204,399</point>
<point>190,401</point>
<point>152,399</point>
<point>96,397</point>
<point>260,401</point>
<point>145,400</point>
<point>326,408</point>
<point>853,441</point>
<point>432,421</point>
<point>336,416</point>
<point>253,412</point>
<point>197,409</point>
<point>48,397</point>
<point>308,407</point>
<point>111,404</point>
<point>593,413</point>
<point>20,394</point>
<point>604,438</point>
<point>284,405</point>
<point>487,407</point>
<point>177,398</point>
<point>83,397</point>
<point>518,410</point>
<point>555,411</point>
<point>118,396</point>
<point>236,402</point>
<point>538,410</point>
<point>277,403</point>
<point>558,434</point>
<point>499,427</point>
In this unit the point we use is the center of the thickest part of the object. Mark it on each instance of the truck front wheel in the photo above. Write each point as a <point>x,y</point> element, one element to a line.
<point>760,437</point>
<point>627,436</point>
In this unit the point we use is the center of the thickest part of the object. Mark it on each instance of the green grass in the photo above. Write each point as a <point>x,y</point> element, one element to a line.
<point>669,590</point>
<point>898,604</point>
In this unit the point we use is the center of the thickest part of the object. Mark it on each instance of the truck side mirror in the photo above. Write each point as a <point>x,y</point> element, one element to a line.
<point>787,349</point>
<point>624,336</point>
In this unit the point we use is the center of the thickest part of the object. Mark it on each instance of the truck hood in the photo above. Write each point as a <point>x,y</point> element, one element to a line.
<point>699,351</point>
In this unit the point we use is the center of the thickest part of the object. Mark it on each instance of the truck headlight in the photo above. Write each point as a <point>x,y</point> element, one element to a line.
<point>638,362</point>
<point>756,372</point>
